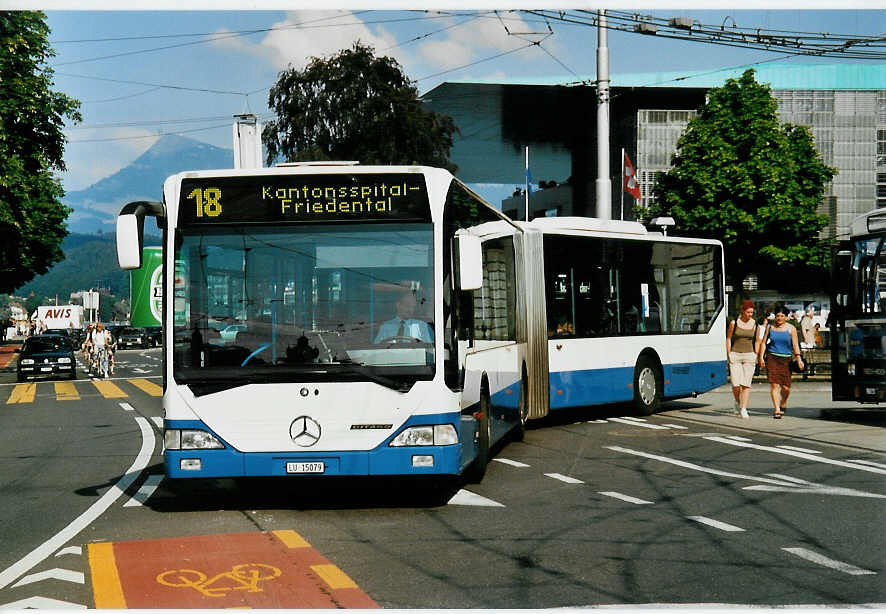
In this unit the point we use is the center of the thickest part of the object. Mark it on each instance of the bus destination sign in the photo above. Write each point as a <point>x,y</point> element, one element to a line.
<point>351,197</point>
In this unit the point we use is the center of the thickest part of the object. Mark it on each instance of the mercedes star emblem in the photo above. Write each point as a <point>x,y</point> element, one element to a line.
<point>305,431</point>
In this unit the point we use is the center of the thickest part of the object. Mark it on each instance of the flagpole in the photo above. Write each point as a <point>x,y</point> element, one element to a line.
<point>621,202</point>
<point>527,185</point>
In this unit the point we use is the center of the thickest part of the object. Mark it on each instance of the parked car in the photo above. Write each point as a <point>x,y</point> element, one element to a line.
<point>155,335</point>
<point>46,355</point>
<point>229,333</point>
<point>132,337</point>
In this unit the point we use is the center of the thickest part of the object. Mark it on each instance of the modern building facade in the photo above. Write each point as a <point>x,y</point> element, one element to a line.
<point>843,104</point>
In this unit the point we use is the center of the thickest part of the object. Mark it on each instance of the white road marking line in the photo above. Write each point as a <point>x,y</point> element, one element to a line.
<point>564,478</point>
<point>466,497</point>
<point>806,450</point>
<point>867,462</point>
<point>597,421</point>
<point>715,523</point>
<point>70,550</point>
<point>127,406</point>
<point>145,492</point>
<point>635,423</point>
<point>820,559</point>
<point>739,438</point>
<point>633,418</point>
<point>158,420</point>
<point>65,575</point>
<point>688,465</point>
<point>510,462</point>
<point>629,499</point>
<point>676,426</point>
<point>819,459</point>
<point>90,515</point>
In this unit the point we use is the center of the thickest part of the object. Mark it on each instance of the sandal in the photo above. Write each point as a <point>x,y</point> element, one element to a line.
<point>777,415</point>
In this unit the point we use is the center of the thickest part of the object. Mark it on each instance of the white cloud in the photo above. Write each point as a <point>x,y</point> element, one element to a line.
<point>306,34</point>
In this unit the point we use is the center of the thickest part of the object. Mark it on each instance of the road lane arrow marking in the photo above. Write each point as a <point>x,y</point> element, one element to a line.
<point>42,603</point>
<point>802,486</point>
<point>78,550</point>
<point>53,574</point>
<point>774,483</point>
<point>794,452</point>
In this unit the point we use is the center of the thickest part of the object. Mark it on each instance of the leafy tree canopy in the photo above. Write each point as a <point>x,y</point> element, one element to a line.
<point>32,217</point>
<point>741,177</point>
<point>355,106</point>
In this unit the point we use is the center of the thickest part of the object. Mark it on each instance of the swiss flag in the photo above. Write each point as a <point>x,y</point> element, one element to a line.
<point>630,179</point>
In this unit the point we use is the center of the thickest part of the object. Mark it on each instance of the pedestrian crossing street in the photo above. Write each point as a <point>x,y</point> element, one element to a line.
<point>75,390</point>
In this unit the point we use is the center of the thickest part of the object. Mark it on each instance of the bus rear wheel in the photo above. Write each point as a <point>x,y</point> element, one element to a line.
<point>648,386</point>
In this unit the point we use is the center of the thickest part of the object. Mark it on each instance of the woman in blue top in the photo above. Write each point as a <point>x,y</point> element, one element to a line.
<point>779,353</point>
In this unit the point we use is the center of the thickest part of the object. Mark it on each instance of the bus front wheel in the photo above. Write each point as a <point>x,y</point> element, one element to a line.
<point>648,386</point>
<point>484,440</point>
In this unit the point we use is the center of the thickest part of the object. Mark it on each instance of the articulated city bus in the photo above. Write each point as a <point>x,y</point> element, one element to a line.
<point>858,316</point>
<point>347,320</point>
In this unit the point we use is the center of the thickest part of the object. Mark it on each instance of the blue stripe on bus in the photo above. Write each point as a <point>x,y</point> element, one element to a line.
<point>600,386</point>
<point>383,460</point>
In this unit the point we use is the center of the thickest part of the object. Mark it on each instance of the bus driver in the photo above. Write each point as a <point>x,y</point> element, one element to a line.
<point>405,326</point>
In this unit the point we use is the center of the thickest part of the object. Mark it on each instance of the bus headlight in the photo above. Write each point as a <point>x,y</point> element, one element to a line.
<point>189,439</point>
<point>431,435</point>
<point>27,361</point>
<point>64,361</point>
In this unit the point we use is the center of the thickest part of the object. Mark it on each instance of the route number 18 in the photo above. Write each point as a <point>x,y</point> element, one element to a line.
<point>208,201</point>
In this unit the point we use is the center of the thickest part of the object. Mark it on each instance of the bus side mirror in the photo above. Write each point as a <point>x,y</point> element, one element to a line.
<point>130,231</point>
<point>468,262</point>
<point>842,276</point>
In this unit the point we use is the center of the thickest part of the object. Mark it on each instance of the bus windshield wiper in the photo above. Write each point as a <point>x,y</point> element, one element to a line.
<point>360,368</point>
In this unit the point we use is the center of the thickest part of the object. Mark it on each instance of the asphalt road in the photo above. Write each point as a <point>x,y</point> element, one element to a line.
<point>690,506</point>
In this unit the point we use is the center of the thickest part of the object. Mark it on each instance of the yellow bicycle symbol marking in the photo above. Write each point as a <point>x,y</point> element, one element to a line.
<point>243,577</point>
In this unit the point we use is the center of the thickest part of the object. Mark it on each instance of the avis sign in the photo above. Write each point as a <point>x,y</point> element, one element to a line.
<point>60,316</point>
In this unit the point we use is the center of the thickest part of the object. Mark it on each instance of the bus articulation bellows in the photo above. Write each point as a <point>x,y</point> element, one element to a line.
<point>349,320</point>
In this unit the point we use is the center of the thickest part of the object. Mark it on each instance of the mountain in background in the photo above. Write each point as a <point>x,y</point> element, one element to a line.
<point>90,250</point>
<point>96,207</point>
<point>90,262</point>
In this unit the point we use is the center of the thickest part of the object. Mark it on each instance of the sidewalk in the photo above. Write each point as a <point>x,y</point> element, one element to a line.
<point>7,352</point>
<point>811,417</point>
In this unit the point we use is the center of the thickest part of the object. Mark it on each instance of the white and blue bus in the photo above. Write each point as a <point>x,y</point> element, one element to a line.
<point>347,320</point>
<point>858,312</point>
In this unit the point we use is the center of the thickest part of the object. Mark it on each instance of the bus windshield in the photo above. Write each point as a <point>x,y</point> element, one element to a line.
<point>310,302</point>
<point>870,266</point>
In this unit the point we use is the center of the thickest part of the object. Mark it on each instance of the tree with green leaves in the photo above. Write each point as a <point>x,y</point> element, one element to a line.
<point>354,106</point>
<point>741,177</point>
<point>32,217</point>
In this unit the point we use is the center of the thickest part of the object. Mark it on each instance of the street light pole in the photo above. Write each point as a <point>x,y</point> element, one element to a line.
<point>603,183</point>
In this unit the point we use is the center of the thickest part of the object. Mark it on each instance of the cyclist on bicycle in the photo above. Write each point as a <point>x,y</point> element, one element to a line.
<point>87,346</point>
<point>112,349</point>
<point>101,340</point>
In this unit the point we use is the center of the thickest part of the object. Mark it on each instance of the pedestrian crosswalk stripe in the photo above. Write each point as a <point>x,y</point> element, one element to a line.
<point>150,387</point>
<point>23,393</point>
<point>69,391</point>
<point>109,390</point>
<point>66,391</point>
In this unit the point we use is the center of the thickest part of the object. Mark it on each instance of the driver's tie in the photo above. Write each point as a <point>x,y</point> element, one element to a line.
<point>401,332</point>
